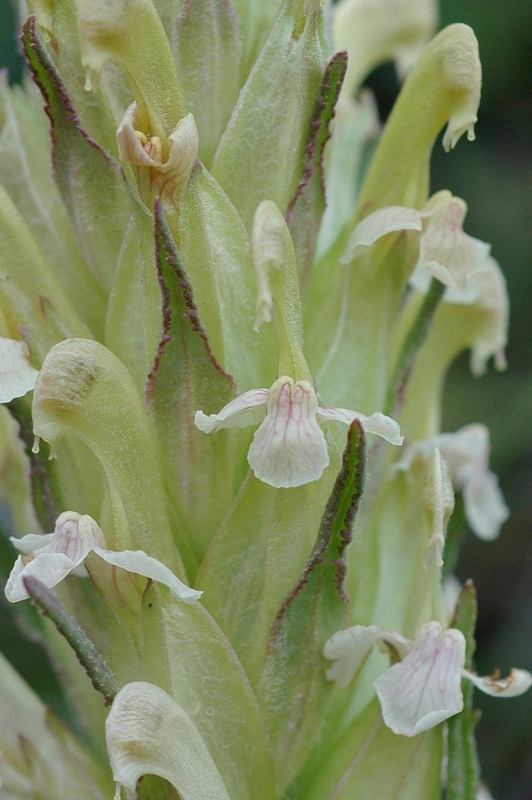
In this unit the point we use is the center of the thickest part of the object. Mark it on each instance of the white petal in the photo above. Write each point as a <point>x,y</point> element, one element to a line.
<point>424,689</point>
<point>485,508</point>
<point>59,554</point>
<point>492,339</point>
<point>49,568</point>
<point>130,148</point>
<point>289,448</point>
<point>171,179</point>
<point>17,376</point>
<point>246,410</point>
<point>75,536</point>
<point>445,250</point>
<point>483,794</point>
<point>379,223</point>
<point>467,454</point>
<point>377,423</point>
<point>149,733</point>
<point>518,682</point>
<point>350,648</point>
<point>32,542</point>
<point>140,563</point>
<point>65,550</point>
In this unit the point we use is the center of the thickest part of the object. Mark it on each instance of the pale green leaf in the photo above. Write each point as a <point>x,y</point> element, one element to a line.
<point>25,173</point>
<point>99,208</point>
<point>260,154</point>
<point>294,693</point>
<point>186,377</point>
<point>207,50</point>
<point>190,657</point>
<point>214,248</point>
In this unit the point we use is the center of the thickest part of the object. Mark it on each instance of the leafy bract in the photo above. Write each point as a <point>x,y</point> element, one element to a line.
<point>294,693</point>
<point>306,209</point>
<point>99,209</point>
<point>259,156</point>
<point>199,470</point>
<point>207,51</point>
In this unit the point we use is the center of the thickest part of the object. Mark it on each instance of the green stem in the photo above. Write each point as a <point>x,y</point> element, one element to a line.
<point>415,338</point>
<point>51,606</point>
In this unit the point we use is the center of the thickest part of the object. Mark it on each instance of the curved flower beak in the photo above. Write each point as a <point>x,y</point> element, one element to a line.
<point>17,376</point>
<point>65,550</point>
<point>289,447</point>
<point>149,733</point>
<point>423,688</point>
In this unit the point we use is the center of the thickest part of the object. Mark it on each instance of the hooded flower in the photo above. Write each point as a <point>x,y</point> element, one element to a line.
<point>467,455</point>
<point>149,733</point>
<point>423,688</point>
<point>289,447</point>
<point>51,557</point>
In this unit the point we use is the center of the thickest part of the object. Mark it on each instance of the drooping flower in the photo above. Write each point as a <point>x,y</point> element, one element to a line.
<point>289,448</point>
<point>467,455</point>
<point>51,557</point>
<point>445,251</point>
<point>423,688</point>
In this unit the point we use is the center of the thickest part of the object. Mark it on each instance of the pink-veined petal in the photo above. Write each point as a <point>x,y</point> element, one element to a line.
<point>289,448</point>
<point>378,423</point>
<point>139,562</point>
<point>75,535</point>
<point>424,689</point>
<point>242,412</point>
<point>66,549</point>
<point>518,682</point>
<point>350,648</point>
<point>56,555</point>
<point>17,376</point>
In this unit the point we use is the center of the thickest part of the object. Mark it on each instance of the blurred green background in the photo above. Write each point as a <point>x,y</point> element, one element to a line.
<point>494,176</point>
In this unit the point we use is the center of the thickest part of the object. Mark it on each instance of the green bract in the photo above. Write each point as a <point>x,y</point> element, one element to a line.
<point>207,263</point>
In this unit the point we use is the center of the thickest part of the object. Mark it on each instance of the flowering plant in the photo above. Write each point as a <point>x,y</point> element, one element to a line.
<point>223,258</point>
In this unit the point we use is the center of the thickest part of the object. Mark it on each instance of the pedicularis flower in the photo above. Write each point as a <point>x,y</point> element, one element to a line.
<point>193,243</point>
